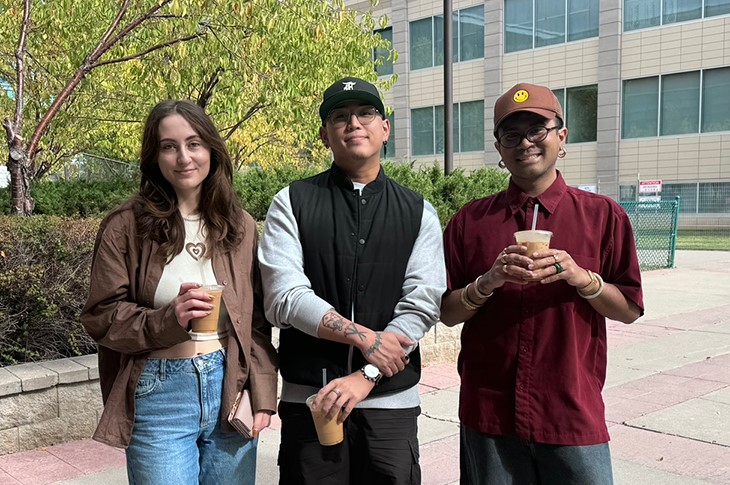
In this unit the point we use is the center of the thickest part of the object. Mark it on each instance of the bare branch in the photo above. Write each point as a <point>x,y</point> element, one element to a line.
<point>147,51</point>
<point>20,70</point>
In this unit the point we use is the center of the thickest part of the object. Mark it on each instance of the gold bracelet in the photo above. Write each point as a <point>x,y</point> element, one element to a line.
<point>591,287</point>
<point>479,293</point>
<point>598,292</point>
<point>468,304</point>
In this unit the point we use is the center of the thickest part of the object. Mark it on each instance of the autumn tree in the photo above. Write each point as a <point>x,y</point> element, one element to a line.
<point>81,75</point>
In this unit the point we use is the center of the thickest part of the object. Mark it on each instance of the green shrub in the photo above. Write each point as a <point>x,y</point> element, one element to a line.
<point>44,280</point>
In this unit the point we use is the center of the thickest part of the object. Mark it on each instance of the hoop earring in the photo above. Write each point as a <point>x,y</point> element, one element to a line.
<point>501,164</point>
<point>562,152</point>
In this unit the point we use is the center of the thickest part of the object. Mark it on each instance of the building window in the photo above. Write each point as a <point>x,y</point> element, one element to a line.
<point>470,33</point>
<point>538,23</point>
<point>641,14</point>
<point>690,102</point>
<point>680,104</point>
<point>382,57</point>
<point>427,128</point>
<point>580,110</point>
<point>715,100</point>
<point>640,108</point>
<point>427,38</point>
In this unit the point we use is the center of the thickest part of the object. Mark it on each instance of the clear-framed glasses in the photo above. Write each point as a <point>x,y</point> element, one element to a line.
<point>340,117</point>
<point>534,134</point>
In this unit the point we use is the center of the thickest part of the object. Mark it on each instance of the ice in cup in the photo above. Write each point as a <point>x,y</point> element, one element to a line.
<point>329,431</point>
<point>535,240</point>
<point>209,323</point>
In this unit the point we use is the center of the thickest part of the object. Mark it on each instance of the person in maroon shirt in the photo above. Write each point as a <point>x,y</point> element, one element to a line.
<point>533,355</point>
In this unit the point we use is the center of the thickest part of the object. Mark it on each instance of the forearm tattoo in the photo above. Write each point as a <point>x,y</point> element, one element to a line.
<point>333,321</point>
<point>376,345</point>
<point>352,330</point>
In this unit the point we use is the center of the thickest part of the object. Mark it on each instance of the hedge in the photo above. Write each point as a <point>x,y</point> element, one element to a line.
<point>45,259</point>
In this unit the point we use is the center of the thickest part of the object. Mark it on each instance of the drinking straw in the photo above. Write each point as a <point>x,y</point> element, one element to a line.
<point>534,216</point>
<point>324,376</point>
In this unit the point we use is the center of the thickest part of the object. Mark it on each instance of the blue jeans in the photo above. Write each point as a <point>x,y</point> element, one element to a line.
<point>501,460</point>
<point>176,436</point>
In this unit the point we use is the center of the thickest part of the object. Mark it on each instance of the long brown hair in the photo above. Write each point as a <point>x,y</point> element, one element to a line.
<point>156,205</point>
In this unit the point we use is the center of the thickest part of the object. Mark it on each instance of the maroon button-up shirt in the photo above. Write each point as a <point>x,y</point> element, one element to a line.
<point>533,358</point>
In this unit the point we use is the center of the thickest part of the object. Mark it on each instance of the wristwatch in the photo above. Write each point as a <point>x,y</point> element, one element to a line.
<point>371,373</point>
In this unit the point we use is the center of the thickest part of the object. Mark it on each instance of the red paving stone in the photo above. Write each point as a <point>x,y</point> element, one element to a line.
<point>6,479</point>
<point>37,467</point>
<point>89,456</point>
<point>671,453</point>
<point>440,461</point>
<point>440,376</point>
<point>712,369</point>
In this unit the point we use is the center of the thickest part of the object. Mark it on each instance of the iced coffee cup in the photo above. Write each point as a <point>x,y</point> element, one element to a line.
<point>535,240</point>
<point>209,323</point>
<point>329,431</point>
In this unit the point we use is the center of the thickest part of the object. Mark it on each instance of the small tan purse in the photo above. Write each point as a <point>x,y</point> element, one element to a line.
<point>241,415</point>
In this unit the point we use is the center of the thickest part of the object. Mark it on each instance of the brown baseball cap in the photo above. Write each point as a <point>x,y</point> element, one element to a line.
<point>527,97</point>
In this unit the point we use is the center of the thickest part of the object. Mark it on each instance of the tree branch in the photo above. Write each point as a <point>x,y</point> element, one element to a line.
<point>112,27</point>
<point>147,51</point>
<point>20,70</point>
<point>251,111</point>
<point>207,92</point>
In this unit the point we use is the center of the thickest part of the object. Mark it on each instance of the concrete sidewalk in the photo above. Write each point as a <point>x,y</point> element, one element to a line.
<point>667,397</point>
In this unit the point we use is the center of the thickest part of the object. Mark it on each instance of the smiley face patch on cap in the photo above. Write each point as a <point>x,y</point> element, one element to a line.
<point>521,96</point>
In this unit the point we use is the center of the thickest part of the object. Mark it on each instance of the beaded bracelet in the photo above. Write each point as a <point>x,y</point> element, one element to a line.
<point>468,304</point>
<point>479,293</point>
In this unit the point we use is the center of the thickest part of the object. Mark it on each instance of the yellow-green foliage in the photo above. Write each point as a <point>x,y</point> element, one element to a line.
<point>44,275</point>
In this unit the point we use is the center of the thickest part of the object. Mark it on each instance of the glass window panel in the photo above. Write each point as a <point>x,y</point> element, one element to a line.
<point>560,94</point>
<point>582,19</point>
<point>687,196</point>
<point>681,10</point>
<point>422,131</point>
<point>439,127</point>
<point>640,107</point>
<point>680,105</point>
<point>716,7</point>
<point>549,22</point>
<point>640,14</point>
<point>472,126</point>
<point>715,100</point>
<point>455,129</point>
<point>390,152</point>
<point>517,25</point>
<point>387,64</point>
<point>438,40</point>
<point>581,113</point>
<point>471,33</point>
<point>421,43</point>
<point>714,197</point>
<point>627,192</point>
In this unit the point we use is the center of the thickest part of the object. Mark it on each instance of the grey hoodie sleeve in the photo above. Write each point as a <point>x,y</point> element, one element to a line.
<point>289,300</point>
<point>419,307</point>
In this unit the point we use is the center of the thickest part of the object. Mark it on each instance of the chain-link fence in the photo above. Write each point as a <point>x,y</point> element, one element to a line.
<point>655,231</point>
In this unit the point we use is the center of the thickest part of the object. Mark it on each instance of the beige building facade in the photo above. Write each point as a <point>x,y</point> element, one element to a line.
<point>645,85</point>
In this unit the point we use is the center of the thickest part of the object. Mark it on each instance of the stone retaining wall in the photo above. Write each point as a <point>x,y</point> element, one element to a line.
<point>52,402</point>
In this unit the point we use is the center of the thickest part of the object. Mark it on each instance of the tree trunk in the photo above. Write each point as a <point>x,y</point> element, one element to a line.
<point>19,166</point>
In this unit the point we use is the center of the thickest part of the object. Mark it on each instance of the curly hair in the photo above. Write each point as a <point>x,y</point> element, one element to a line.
<point>156,204</point>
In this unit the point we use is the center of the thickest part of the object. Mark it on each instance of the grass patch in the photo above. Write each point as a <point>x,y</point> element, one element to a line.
<point>713,240</point>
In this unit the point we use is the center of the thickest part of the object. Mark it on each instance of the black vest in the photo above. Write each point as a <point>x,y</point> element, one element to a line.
<point>356,250</point>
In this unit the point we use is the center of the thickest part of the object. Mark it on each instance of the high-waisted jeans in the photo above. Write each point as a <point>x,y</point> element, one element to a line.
<point>176,436</point>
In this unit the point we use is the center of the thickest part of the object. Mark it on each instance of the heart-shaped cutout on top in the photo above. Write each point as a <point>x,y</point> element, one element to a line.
<point>196,251</point>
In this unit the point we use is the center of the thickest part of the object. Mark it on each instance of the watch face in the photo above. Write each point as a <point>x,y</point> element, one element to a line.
<point>371,371</point>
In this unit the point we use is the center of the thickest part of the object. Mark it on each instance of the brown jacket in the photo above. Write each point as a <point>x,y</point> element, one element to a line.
<point>119,317</point>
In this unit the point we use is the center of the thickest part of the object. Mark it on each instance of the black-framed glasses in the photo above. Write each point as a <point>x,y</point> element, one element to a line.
<point>340,117</point>
<point>534,134</point>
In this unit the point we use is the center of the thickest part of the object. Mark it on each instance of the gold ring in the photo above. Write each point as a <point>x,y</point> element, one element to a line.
<point>504,268</point>
<point>555,256</point>
<point>502,259</point>
<point>336,391</point>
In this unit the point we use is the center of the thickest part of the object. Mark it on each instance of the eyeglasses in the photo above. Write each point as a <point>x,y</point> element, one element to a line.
<point>340,117</point>
<point>534,134</point>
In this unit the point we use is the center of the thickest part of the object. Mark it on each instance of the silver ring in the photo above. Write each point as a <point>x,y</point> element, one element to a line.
<point>336,391</point>
<point>504,268</point>
<point>502,259</point>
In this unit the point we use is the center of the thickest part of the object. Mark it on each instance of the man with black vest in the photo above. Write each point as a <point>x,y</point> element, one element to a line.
<point>353,273</point>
